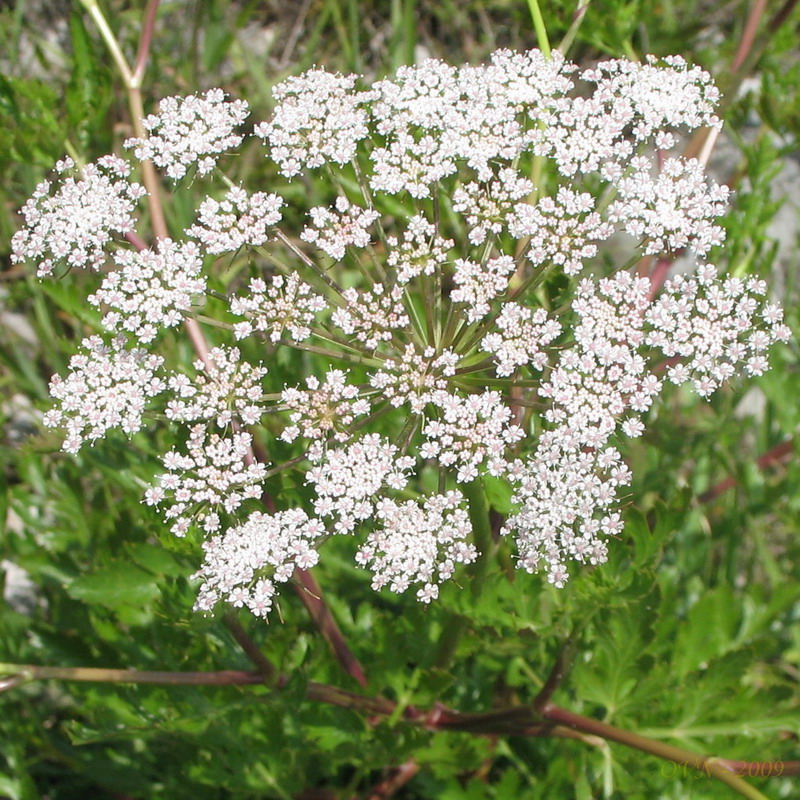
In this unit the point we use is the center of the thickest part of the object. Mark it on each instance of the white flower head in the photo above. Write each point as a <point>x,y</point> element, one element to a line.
<point>74,225</point>
<point>190,130</point>
<point>243,564</point>
<point>447,319</point>
<point>151,290</point>
<point>238,220</point>
<point>109,386</point>
<point>418,544</point>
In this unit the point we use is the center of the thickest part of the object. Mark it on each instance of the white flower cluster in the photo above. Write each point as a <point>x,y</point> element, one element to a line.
<point>521,336</point>
<point>478,284</point>
<point>285,304</point>
<point>334,230</point>
<point>713,326</point>
<point>486,206</point>
<point>433,115</point>
<point>214,474</point>
<point>652,97</point>
<point>237,221</point>
<point>418,544</point>
<point>326,408</point>
<point>419,252</point>
<point>604,375</point>
<point>318,119</point>
<point>281,541</point>
<point>566,487</point>
<point>562,229</point>
<point>190,130</point>
<point>473,430</point>
<point>151,289</point>
<point>108,387</point>
<point>371,316</point>
<point>425,314</point>
<point>562,489</point>
<point>348,480</point>
<point>75,224</point>
<point>591,134</point>
<point>413,378</point>
<point>225,389</point>
<point>675,209</point>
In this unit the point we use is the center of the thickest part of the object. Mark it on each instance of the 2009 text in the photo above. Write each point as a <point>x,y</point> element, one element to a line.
<point>750,769</point>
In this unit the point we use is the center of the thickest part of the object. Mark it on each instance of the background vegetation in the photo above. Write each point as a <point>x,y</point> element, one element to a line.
<point>688,636</point>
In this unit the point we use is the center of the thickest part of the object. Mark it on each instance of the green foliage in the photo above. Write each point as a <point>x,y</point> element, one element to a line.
<point>687,636</point>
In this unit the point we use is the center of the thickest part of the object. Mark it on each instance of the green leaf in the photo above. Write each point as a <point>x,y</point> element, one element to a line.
<point>757,726</point>
<point>498,493</point>
<point>88,94</point>
<point>29,130</point>
<point>71,298</point>
<point>9,788</point>
<point>708,631</point>
<point>19,785</point>
<point>118,585</point>
<point>156,559</point>
<point>3,501</point>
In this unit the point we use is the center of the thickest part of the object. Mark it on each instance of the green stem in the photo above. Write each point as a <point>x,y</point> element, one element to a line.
<point>502,383</point>
<point>310,593</point>
<point>518,720</point>
<point>250,648</point>
<point>539,27</point>
<point>111,41</point>
<point>322,351</point>
<point>215,323</point>
<point>577,19</point>
<point>133,84</point>
<point>320,692</point>
<point>557,674</point>
<point>476,333</point>
<point>453,628</point>
<point>482,533</point>
<point>308,262</point>
<point>227,677</point>
<point>355,346</point>
<point>677,755</point>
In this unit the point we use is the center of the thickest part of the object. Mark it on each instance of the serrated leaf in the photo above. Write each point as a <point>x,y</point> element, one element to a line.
<point>29,131</point>
<point>758,617</point>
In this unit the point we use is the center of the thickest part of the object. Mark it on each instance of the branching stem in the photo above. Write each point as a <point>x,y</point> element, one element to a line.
<point>525,720</point>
